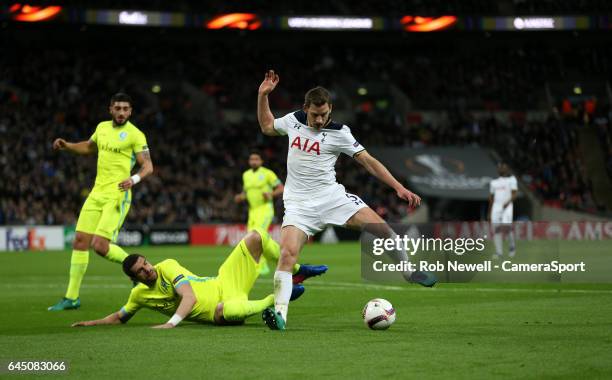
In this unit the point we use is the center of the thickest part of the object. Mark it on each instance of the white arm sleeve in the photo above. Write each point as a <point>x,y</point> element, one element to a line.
<point>349,145</point>
<point>282,124</point>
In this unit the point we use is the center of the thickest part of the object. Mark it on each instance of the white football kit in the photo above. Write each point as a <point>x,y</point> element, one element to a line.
<point>501,189</point>
<point>313,199</point>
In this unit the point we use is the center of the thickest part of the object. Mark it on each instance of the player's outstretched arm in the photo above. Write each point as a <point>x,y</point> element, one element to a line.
<point>188,301</point>
<point>112,319</point>
<point>378,170</point>
<point>240,197</point>
<point>264,114</point>
<point>146,168</point>
<point>83,147</point>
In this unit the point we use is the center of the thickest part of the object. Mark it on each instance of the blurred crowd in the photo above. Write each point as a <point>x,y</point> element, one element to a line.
<point>604,135</point>
<point>199,150</point>
<point>545,154</point>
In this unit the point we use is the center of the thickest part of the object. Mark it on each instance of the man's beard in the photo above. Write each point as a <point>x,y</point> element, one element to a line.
<point>117,123</point>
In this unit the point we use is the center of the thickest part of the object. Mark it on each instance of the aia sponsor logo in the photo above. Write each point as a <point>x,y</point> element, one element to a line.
<point>306,146</point>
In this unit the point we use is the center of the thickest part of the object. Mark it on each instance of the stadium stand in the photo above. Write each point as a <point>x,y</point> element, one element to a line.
<point>65,92</point>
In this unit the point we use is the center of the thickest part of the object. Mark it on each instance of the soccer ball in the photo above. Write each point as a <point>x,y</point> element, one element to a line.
<point>378,314</point>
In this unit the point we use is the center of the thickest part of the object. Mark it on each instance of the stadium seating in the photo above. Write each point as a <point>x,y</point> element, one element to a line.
<point>199,151</point>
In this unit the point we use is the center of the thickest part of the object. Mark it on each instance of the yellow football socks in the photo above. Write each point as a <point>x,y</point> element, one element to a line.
<point>78,267</point>
<point>115,254</point>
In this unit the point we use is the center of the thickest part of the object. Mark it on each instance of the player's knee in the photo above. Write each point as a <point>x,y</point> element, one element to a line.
<point>100,246</point>
<point>253,242</point>
<point>219,317</point>
<point>80,243</point>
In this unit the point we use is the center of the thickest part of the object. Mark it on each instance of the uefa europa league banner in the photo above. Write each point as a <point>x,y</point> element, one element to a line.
<point>452,172</point>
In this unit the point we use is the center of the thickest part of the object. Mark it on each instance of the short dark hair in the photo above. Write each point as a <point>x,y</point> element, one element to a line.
<point>121,97</point>
<point>257,152</point>
<point>129,262</point>
<point>317,96</point>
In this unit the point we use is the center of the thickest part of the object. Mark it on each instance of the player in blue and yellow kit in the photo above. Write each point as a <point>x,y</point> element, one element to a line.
<point>260,186</point>
<point>175,291</point>
<point>119,144</point>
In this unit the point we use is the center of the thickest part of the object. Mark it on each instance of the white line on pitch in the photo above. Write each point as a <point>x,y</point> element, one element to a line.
<point>339,285</point>
<point>353,285</point>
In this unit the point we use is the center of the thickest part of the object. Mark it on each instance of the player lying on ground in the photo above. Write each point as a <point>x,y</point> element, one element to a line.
<point>173,290</point>
<point>313,198</point>
<point>118,144</point>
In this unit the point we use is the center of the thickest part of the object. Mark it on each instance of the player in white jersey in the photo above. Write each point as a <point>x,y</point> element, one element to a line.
<point>502,192</point>
<point>313,199</point>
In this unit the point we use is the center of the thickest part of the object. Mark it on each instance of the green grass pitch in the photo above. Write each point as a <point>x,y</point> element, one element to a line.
<point>451,331</point>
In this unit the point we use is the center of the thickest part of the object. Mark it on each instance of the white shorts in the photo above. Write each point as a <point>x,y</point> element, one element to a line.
<point>501,216</point>
<point>312,215</point>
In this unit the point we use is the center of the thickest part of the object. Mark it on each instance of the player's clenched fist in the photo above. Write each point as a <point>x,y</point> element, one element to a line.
<point>59,144</point>
<point>269,83</point>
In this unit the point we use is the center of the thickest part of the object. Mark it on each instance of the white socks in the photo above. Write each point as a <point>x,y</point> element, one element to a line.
<point>512,244</point>
<point>283,285</point>
<point>499,244</point>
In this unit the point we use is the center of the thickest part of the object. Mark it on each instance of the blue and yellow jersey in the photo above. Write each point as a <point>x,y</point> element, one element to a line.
<point>256,183</point>
<point>117,149</point>
<point>162,295</point>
